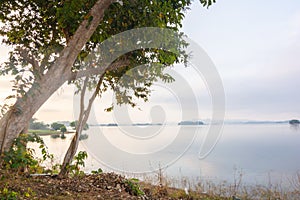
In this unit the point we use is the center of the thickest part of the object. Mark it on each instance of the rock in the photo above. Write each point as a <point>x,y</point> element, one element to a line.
<point>109,187</point>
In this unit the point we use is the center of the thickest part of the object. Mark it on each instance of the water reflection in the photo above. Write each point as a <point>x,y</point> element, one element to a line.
<point>257,149</point>
<point>295,127</point>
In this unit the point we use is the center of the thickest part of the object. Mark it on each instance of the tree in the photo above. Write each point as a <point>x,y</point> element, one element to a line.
<point>63,129</point>
<point>56,126</point>
<point>50,38</point>
<point>294,122</point>
<point>74,124</point>
<point>46,44</point>
<point>35,125</point>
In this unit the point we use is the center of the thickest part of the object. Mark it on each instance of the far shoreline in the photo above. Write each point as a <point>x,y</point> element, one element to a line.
<point>47,132</point>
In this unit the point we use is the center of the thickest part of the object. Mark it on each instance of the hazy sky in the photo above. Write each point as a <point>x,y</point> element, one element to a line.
<point>255,46</point>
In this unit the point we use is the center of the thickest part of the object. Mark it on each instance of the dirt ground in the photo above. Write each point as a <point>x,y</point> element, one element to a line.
<point>96,186</point>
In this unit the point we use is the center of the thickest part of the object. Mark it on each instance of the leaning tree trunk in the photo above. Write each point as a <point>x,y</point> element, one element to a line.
<point>69,155</point>
<point>16,120</point>
<point>75,140</point>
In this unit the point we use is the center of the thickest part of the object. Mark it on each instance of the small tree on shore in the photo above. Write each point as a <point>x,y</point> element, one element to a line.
<point>73,124</point>
<point>63,129</point>
<point>57,126</point>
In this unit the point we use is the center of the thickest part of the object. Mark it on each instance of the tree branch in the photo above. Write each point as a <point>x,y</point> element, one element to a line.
<point>100,70</point>
<point>30,59</point>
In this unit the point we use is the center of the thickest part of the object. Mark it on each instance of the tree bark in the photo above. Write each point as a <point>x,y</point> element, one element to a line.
<point>17,118</point>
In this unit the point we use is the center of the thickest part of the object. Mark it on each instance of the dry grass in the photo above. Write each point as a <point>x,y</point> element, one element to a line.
<point>208,189</point>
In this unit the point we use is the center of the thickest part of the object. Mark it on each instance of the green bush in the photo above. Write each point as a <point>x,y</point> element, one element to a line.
<point>6,193</point>
<point>78,161</point>
<point>20,158</point>
<point>99,171</point>
<point>133,188</point>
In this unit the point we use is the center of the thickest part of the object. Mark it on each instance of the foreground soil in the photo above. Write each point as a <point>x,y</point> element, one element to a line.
<point>96,186</point>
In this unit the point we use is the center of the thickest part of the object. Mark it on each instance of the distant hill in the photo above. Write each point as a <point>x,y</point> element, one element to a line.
<point>191,123</point>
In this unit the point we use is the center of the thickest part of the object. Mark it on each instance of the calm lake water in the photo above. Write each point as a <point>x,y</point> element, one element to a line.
<point>261,152</point>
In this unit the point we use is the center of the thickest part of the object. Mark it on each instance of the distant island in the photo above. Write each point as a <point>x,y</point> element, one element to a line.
<point>111,124</point>
<point>147,124</point>
<point>191,123</point>
<point>294,121</point>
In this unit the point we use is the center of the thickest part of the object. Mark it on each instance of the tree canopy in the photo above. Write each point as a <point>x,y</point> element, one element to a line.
<point>52,42</point>
<point>39,30</point>
<point>57,126</point>
<point>36,125</point>
<point>74,124</point>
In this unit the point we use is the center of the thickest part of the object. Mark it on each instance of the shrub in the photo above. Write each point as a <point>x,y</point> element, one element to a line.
<point>20,158</point>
